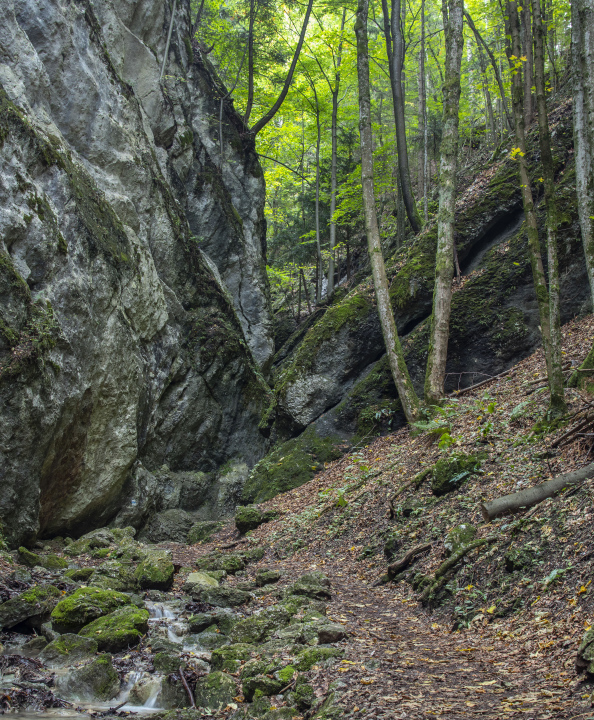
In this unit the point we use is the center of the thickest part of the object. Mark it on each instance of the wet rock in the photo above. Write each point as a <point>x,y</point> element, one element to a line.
<point>313,585</point>
<point>147,688</point>
<point>202,531</point>
<point>215,691</point>
<point>260,626</point>
<point>198,582</point>
<point>267,577</point>
<point>230,657</point>
<point>50,635</point>
<point>32,607</point>
<point>115,575</point>
<point>121,629</point>
<point>458,537</point>
<point>450,473</point>
<point>96,681</point>
<point>167,663</point>
<point>49,562</point>
<point>33,647</point>
<point>173,693</point>
<point>168,526</point>
<point>161,644</point>
<point>208,639</point>
<point>155,571</point>
<point>585,654</point>
<point>200,622</point>
<point>83,606</point>
<point>225,597</point>
<point>68,649</point>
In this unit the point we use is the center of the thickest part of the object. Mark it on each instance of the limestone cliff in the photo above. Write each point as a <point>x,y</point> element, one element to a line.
<point>134,315</point>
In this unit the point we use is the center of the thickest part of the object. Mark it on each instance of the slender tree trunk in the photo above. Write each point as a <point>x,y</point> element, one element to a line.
<point>423,116</point>
<point>333,183</point>
<point>299,298</point>
<point>528,67</point>
<point>395,50</point>
<point>305,291</point>
<point>444,260</point>
<point>196,24</point>
<point>488,102</point>
<point>250,99</point>
<point>558,406</point>
<point>406,392</point>
<point>582,53</point>
<point>495,66</point>
<point>166,54</point>
<point>319,263</point>
<point>514,51</point>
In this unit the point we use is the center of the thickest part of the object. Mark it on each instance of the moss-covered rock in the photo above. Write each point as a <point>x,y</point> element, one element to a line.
<point>267,577</point>
<point>208,639</point>
<point>83,606</point>
<point>230,563</point>
<point>303,697</point>
<point>518,559</point>
<point>32,607</point>
<point>215,691</point>
<point>68,649</point>
<point>200,622</point>
<point>156,571</point>
<point>197,582</point>
<point>202,531</point>
<point>311,656</point>
<point>115,575</point>
<point>102,538</point>
<point>49,562</point>
<point>97,681</point>
<point>230,657</point>
<point>259,686</point>
<point>121,629</point>
<point>225,597</point>
<point>248,518</point>
<point>290,465</point>
<point>450,473</point>
<point>585,654</point>
<point>79,574</point>
<point>260,626</point>
<point>34,646</point>
<point>167,662</point>
<point>458,537</point>
<point>314,585</point>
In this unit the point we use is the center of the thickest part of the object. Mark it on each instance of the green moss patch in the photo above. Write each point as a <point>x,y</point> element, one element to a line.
<point>119,630</point>
<point>83,606</point>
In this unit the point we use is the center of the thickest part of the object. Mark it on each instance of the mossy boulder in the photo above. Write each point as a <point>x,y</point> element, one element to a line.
<point>79,574</point>
<point>34,646</point>
<point>215,691</point>
<point>458,537</point>
<point>68,649</point>
<point>585,654</point>
<point>32,607</point>
<point>314,585</point>
<point>208,639</point>
<point>450,473</point>
<point>168,526</point>
<point>248,518</point>
<point>261,685</point>
<point>49,562</point>
<point>260,626</point>
<point>290,465</point>
<point>198,582</point>
<point>311,656</point>
<point>121,629</point>
<point>167,662</point>
<point>303,697</point>
<point>518,559</point>
<point>267,577</point>
<point>101,538</point>
<point>230,563</point>
<point>83,606</point>
<point>156,571</point>
<point>96,681</point>
<point>329,633</point>
<point>230,657</point>
<point>115,575</point>
<point>202,531</point>
<point>225,597</point>
<point>200,622</point>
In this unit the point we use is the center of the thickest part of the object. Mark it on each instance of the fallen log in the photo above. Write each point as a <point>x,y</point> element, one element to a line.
<point>532,496</point>
<point>403,562</point>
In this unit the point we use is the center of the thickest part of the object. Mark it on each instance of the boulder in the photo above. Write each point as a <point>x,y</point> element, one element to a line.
<point>168,526</point>
<point>207,640</point>
<point>231,657</point>
<point>248,518</point>
<point>197,582</point>
<point>121,629</point>
<point>33,647</point>
<point>200,622</point>
<point>49,562</point>
<point>267,577</point>
<point>155,571</point>
<point>32,607</point>
<point>331,633</point>
<point>311,656</point>
<point>101,538</point>
<point>167,662</point>
<point>68,649</point>
<point>260,626</point>
<point>225,597</point>
<point>230,563</point>
<point>79,574</point>
<point>215,691</point>
<point>261,685</point>
<point>97,681</point>
<point>314,585</point>
<point>458,537</point>
<point>115,575</point>
<point>202,531</point>
<point>83,606</point>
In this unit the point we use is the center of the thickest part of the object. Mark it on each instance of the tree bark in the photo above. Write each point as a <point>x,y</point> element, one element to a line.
<point>250,98</point>
<point>395,50</point>
<point>532,496</point>
<point>319,263</point>
<point>406,392</point>
<point>557,406</point>
<point>528,68</point>
<point>333,183</point>
<point>255,129</point>
<point>423,119</point>
<point>444,261</point>
<point>582,54</point>
<point>403,562</point>
<point>514,51</point>
<point>166,54</point>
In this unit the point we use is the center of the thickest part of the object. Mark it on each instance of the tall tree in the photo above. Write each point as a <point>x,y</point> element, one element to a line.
<point>453,11</point>
<point>395,51</point>
<point>558,406</point>
<point>406,391</point>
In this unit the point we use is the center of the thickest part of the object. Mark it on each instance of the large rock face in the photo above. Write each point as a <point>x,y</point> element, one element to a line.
<point>134,317</point>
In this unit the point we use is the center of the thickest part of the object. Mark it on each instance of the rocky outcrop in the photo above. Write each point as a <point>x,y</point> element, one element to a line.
<point>134,320</point>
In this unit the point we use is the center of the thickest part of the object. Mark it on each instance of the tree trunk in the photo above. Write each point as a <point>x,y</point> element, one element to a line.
<point>532,496</point>
<point>582,54</point>
<point>305,291</point>
<point>528,67</point>
<point>250,98</point>
<point>333,183</point>
<point>423,100</point>
<point>406,392</point>
<point>444,261</point>
<point>395,50</point>
<point>542,296</point>
<point>319,265</point>
<point>558,406</point>
<point>166,54</point>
